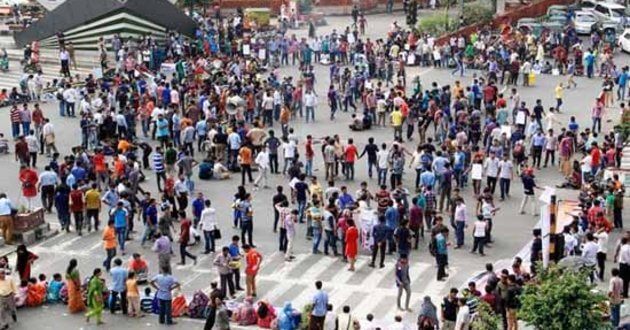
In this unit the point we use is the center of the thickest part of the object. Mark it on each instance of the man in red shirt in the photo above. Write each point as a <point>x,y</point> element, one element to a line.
<point>596,158</point>
<point>77,206</point>
<point>351,155</point>
<point>184,238</point>
<point>253,259</point>
<point>309,153</point>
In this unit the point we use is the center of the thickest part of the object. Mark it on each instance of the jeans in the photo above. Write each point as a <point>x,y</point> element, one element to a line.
<point>371,164</point>
<point>478,242</point>
<point>310,112</point>
<point>441,260</point>
<point>78,221</point>
<point>301,209</point>
<point>317,238</point>
<point>350,171</point>
<point>26,127</point>
<point>247,227</point>
<point>378,246</point>
<point>209,238</point>
<point>615,310</point>
<point>597,124</point>
<point>70,109</point>
<point>282,240</point>
<point>15,129</point>
<point>504,184</point>
<point>62,108</point>
<point>227,283</point>
<point>123,302</point>
<point>382,176</point>
<point>273,163</point>
<point>183,253</point>
<point>107,263</point>
<point>308,167</point>
<point>165,311</point>
<point>407,288</point>
<point>459,232</point>
<point>121,236</point>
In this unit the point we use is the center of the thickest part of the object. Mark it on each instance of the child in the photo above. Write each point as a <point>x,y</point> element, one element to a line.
<point>22,292</point>
<point>146,302</point>
<point>54,289</point>
<point>133,296</point>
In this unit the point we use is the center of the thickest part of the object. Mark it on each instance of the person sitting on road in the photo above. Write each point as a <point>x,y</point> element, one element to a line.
<point>140,267</point>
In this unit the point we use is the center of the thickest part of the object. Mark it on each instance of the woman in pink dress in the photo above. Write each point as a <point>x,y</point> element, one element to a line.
<point>352,235</point>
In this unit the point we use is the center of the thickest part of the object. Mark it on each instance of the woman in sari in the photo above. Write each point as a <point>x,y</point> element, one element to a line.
<point>24,260</point>
<point>95,297</point>
<point>352,235</point>
<point>73,283</point>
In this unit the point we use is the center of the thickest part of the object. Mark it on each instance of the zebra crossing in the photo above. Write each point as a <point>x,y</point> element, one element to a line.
<point>367,290</point>
<point>12,78</point>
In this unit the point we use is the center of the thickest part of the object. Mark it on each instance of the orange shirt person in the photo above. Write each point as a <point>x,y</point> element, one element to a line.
<point>253,260</point>
<point>109,242</point>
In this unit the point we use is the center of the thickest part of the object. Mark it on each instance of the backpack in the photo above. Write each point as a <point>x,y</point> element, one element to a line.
<point>198,305</point>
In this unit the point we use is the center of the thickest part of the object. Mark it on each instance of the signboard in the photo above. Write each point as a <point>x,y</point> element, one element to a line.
<point>477,172</point>
<point>167,69</point>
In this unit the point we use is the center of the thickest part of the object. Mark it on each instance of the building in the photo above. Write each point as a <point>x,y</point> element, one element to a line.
<point>84,21</point>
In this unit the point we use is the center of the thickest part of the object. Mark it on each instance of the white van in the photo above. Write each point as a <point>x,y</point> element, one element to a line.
<point>612,11</point>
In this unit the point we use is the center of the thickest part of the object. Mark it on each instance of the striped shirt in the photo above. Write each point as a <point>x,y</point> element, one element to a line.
<point>16,116</point>
<point>158,163</point>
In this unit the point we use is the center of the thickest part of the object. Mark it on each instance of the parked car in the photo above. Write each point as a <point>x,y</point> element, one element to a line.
<point>585,22</point>
<point>624,41</point>
<point>613,12</point>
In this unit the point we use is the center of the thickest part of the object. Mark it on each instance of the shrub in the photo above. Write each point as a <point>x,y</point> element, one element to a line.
<point>477,14</point>
<point>435,24</point>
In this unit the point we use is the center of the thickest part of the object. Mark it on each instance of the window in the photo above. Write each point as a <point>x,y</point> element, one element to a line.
<point>602,10</point>
<point>617,12</point>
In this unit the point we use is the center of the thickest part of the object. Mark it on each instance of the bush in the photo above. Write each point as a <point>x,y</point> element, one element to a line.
<point>477,14</point>
<point>435,24</point>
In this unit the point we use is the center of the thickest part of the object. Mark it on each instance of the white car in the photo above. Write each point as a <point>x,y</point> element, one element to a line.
<point>624,41</point>
<point>585,22</point>
<point>611,11</point>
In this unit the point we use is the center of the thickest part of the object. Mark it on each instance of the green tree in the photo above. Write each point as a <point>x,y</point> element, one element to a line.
<point>485,319</point>
<point>562,300</point>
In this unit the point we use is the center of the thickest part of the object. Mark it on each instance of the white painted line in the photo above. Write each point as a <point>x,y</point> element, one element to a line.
<point>317,268</point>
<point>344,274</point>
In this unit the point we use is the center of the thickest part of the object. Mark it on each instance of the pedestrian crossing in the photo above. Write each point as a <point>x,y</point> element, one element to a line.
<point>11,78</point>
<point>367,290</point>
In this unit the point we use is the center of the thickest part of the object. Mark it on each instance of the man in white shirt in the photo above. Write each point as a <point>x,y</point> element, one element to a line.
<point>310,101</point>
<point>602,248</point>
<point>506,174</point>
<point>491,166</point>
<point>262,160</point>
<point>463,315</point>
<point>624,264</point>
<point>479,235</point>
<point>288,150</point>
<point>589,253</point>
<point>70,97</point>
<point>208,224</point>
<point>382,159</point>
<point>48,131</point>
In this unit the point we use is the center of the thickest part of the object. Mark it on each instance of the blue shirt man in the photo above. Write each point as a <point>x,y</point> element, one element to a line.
<point>320,302</point>
<point>119,277</point>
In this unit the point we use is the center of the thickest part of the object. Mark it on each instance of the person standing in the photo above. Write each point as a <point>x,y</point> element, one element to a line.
<point>247,221</point>
<point>77,207</point>
<point>95,297</point>
<point>615,296</point>
<point>164,283</point>
<point>624,264</point>
<point>506,174</point>
<point>320,307</point>
<point>119,287</point>
<point>462,321</point>
<point>278,198</point>
<point>120,216</point>
<point>162,246</point>
<point>208,221</point>
<point>461,221</point>
<point>109,242</point>
<point>403,281</point>
<point>352,235</point>
<point>92,207</point>
<point>441,252</point>
<point>236,255</point>
<point>479,234</point>
<point>528,191</point>
<point>224,262</point>
<point>262,160</point>
<point>184,238</point>
<point>289,226</point>
<point>245,155</point>
<point>46,185</point>
<point>448,310</point>
<point>602,248</point>
<point>253,260</point>
<point>379,235</point>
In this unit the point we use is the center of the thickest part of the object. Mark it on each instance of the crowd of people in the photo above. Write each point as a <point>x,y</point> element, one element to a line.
<point>219,105</point>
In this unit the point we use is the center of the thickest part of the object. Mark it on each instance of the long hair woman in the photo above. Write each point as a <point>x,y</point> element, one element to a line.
<point>95,297</point>
<point>73,283</point>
